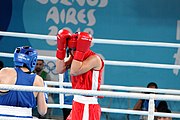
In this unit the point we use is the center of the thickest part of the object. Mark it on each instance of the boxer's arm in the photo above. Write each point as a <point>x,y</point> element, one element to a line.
<point>63,65</point>
<point>92,62</point>
<point>60,66</point>
<point>6,77</point>
<point>3,75</point>
<point>41,102</point>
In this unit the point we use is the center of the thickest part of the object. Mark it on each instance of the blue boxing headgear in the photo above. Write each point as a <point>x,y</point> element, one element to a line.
<point>25,56</point>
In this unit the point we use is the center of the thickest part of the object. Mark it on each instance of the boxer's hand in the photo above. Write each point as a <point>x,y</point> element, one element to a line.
<point>83,45</point>
<point>62,37</point>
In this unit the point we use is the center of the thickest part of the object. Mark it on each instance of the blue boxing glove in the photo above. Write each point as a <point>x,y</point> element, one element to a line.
<point>45,93</point>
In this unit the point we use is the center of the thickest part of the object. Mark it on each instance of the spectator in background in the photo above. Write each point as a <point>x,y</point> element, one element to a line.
<point>1,65</point>
<point>143,104</point>
<point>162,106</point>
<point>68,98</point>
<point>165,110</point>
<point>39,70</point>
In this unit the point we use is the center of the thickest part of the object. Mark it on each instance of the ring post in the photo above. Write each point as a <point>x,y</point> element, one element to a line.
<point>61,96</point>
<point>151,108</point>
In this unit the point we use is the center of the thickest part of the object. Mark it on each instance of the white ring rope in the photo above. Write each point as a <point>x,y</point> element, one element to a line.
<point>122,111</point>
<point>99,93</point>
<point>141,64</point>
<point>27,35</point>
<point>104,41</point>
<point>124,88</point>
<point>90,92</point>
<point>107,62</point>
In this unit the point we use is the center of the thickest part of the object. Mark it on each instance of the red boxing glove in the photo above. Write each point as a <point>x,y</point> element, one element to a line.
<point>62,37</point>
<point>83,45</point>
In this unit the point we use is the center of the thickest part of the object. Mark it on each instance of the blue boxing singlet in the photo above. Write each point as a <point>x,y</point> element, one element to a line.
<point>19,98</point>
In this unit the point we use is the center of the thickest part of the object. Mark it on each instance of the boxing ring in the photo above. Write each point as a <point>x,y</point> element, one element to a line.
<point>130,92</point>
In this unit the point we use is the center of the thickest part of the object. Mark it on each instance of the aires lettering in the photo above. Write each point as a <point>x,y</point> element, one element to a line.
<point>71,16</point>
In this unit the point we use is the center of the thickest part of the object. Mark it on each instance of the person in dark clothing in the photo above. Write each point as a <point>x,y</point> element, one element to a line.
<point>1,65</point>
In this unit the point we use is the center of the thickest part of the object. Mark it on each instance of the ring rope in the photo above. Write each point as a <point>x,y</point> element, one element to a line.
<point>90,92</point>
<point>98,93</point>
<point>27,35</point>
<point>104,41</point>
<point>131,89</point>
<point>122,111</point>
<point>108,62</point>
